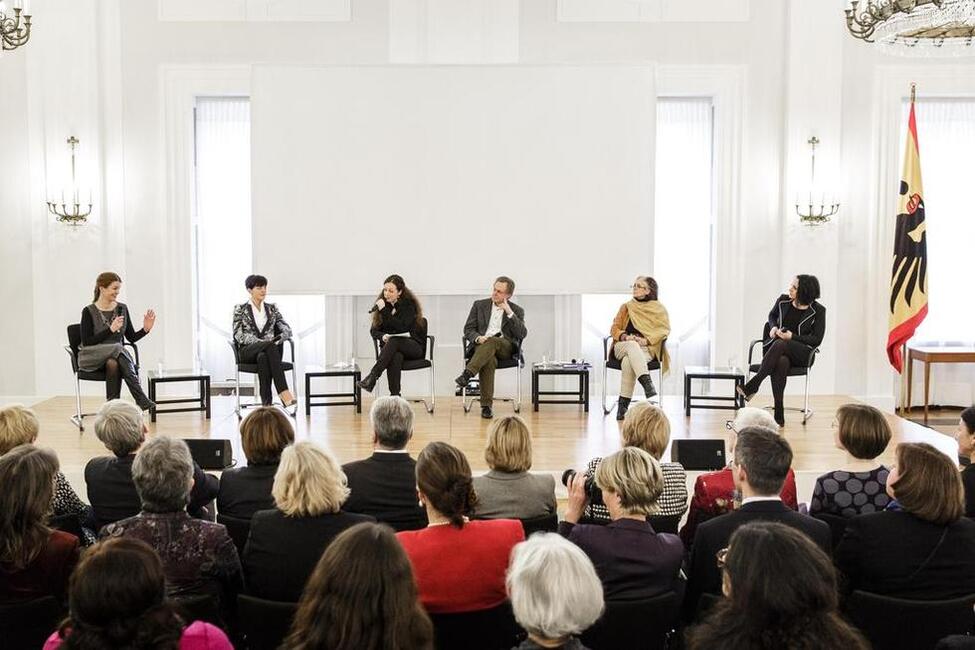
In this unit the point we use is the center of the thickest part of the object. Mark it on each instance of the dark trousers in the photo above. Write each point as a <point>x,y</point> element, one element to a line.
<point>267,356</point>
<point>779,357</point>
<point>391,357</point>
<point>485,361</point>
<point>120,369</point>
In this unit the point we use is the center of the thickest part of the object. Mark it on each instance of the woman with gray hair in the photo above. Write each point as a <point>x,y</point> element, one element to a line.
<point>198,556</point>
<point>633,561</point>
<point>111,490</point>
<point>285,543</point>
<point>554,591</point>
<point>714,492</point>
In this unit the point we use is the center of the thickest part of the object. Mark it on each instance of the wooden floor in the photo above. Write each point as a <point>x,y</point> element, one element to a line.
<point>563,436</point>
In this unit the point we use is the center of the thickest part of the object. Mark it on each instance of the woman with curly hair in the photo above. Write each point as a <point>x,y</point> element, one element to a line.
<point>362,595</point>
<point>118,600</point>
<point>398,325</point>
<point>780,592</point>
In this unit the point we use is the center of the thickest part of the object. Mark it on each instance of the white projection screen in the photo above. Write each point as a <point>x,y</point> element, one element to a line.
<point>452,175</point>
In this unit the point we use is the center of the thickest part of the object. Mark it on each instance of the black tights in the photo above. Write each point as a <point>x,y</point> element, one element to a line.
<point>122,369</point>
<point>391,357</point>
<point>779,357</point>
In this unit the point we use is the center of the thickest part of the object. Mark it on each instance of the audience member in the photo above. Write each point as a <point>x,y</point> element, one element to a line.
<point>35,561</point>
<point>639,332</point>
<point>632,560</point>
<point>762,460</point>
<point>459,564</point>
<point>508,490</point>
<point>859,486</point>
<point>922,549</point>
<point>198,556</point>
<point>965,435</point>
<point>286,543</point>
<point>111,491</point>
<point>646,427</point>
<point>19,426</point>
<point>384,485</point>
<point>714,492</point>
<point>554,591</point>
<point>118,600</point>
<point>780,592</point>
<point>244,490</point>
<point>361,595</point>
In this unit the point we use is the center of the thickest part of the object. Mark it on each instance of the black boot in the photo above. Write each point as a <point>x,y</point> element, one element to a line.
<point>131,378</point>
<point>779,415</point>
<point>647,384</point>
<point>368,382</point>
<point>621,407</point>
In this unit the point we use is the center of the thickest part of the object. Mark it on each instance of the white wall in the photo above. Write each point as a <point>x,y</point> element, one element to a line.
<point>800,74</point>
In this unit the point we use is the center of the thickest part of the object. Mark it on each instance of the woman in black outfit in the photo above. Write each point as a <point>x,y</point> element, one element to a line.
<point>104,325</point>
<point>397,321</point>
<point>796,326</point>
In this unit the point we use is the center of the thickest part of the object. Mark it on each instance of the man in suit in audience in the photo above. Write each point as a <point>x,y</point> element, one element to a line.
<point>494,331</point>
<point>384,485</point>
<point>762,460</point>
<point>111,490</point>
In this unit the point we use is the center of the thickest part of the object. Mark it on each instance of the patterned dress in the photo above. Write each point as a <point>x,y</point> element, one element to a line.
<point>849,494</point>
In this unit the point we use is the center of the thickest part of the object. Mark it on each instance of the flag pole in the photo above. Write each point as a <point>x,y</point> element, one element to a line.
<point>913,91</point>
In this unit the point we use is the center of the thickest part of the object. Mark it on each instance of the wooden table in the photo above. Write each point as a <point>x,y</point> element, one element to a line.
<point>929,355</point>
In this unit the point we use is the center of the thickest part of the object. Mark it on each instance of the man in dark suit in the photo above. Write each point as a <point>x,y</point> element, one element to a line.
<point>494,330</point>
<point>384,485</point>
<point>762,460</point>
<point>111,490</point>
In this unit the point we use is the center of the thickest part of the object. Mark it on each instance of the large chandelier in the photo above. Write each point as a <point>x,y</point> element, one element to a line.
<point>14,32</point>
<point>915,27</point>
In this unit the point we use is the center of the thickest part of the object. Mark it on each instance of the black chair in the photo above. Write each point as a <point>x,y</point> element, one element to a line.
<point>517,361</point>
<point>794,371</point>
<point>895,623</point>
<point>28,624</point>
<point>264,623</point>
<point>252,369</point>
<point>418,364</point>
<point>237,528</point>
<point>74,343</point>
<point>69,523</point>
<point>200,607</point>
<point>610,362</point>
<point>664,523</point>
<point>837,525</point>
<point>543,524</point>
<point>643,624</point>
<point>486,629</point>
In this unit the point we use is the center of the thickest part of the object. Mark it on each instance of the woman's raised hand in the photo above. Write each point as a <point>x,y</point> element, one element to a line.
<point>148,320</point>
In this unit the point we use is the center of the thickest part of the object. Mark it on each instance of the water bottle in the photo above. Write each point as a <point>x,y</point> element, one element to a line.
<point>159,368</point>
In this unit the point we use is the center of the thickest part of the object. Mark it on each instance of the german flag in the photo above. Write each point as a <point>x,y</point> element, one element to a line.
<point>908,278</point>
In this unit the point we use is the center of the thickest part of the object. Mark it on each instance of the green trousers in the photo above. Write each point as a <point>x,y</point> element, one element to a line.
<point>485,362</point>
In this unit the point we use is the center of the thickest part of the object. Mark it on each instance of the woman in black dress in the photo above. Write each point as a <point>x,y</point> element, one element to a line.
<point>796,326</point>
<point>397,322</point>
<point>105,323</point>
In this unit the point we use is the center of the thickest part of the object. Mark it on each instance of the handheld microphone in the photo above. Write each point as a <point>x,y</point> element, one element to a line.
<point>374,309</point>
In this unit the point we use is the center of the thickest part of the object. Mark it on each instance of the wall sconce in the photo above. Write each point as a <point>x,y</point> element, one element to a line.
<point>812,212</point>
<point>70,211</point>
<point>13,34</point>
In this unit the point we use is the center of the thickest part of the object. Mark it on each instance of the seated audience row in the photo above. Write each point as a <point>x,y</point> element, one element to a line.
<point>965,435</point>
<point>19,426</point>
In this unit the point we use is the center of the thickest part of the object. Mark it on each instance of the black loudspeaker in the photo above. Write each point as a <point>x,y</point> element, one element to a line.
<point>699,454</point>
<point>211,454</point>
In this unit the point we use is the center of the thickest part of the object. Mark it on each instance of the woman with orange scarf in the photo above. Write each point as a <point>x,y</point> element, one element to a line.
<point>640,330</point>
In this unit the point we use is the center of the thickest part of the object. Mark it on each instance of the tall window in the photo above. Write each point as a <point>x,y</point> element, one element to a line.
<point>682,241</point>
<point>222,234</point>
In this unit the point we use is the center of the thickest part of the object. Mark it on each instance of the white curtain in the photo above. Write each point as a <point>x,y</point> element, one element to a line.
<point>682,245</point>
<point>946,136</point>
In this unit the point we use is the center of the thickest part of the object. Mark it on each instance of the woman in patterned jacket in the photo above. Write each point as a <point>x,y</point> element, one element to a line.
<point>259,331</point>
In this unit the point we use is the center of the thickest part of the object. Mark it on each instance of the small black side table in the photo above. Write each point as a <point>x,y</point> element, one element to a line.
<point>705,372</point>
<point>334,371</point>
<point>175,376</point>
<point>581,370</point>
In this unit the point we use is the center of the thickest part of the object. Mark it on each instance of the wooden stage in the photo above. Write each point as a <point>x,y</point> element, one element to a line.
<point>563,435</point>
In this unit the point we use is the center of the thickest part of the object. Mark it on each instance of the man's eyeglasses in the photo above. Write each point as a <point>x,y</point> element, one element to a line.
<point>639,286</point>
<point>730,425</point>
<point>720,557</point>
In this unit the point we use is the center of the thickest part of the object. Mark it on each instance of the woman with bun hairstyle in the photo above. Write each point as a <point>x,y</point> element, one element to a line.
<point>459,564</point>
